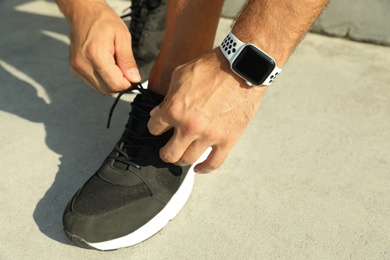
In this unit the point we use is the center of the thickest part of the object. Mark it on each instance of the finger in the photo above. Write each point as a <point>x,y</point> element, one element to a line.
<point>103,88</point>
<point>213,162</point>
<point>174,149</point>
<point>158,124</point>
<point>92,79</point>
<point>193,153</point>
<point>100,58</point>
<point>125,58</point>
<point>111,74</point>
<point>92,72</point>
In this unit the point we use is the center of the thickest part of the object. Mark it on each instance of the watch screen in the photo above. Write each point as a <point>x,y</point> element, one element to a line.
<point>253,65</point>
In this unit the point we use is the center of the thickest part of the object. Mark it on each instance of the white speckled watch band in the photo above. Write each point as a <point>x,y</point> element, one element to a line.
<point>231,46</point>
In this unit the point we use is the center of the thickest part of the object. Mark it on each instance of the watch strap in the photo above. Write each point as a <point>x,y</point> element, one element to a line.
<point>230,46</point>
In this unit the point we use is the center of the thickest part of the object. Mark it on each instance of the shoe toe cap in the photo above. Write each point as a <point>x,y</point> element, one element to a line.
<point>110,225</point>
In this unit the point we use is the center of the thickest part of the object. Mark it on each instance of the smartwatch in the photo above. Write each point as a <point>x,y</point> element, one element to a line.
<point>249,62</point>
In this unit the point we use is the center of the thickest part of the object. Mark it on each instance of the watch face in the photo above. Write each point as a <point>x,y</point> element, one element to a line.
<point>253,65</point>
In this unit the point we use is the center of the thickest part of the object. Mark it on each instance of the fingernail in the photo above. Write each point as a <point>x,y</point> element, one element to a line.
<point>134,74</point>
<point>154,110</point>
<point>197,171</point>
<point>180,164</point>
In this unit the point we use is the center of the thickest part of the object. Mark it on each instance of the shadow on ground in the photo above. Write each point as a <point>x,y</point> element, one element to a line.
<point>37,86</point>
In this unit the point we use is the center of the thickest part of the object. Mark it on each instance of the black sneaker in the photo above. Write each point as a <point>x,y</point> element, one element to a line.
<point>134,194</point>
<point>147,26</point>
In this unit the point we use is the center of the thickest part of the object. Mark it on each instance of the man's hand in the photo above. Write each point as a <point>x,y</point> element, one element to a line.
<point>100,49</point>
<point>207,106</point>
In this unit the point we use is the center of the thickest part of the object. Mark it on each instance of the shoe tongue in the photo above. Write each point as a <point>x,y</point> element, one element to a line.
<point>149,97</point>
<point>139,117</point>
<point>137,132</point>
<point>145,102</point>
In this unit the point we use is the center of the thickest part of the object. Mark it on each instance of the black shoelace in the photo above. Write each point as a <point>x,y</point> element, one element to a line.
<point>120,94</point>
<point>127,149</point>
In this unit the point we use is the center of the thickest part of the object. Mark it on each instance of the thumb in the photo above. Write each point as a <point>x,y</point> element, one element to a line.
<point>125,60</point>
<point>157,124</point>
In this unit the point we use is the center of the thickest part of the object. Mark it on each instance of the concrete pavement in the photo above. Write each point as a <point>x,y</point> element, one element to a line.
<point>309,179</point>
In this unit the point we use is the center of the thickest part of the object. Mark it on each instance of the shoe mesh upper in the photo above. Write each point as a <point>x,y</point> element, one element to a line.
<point>131,186</point>
<point>168,180</point>
<point>98,196</point>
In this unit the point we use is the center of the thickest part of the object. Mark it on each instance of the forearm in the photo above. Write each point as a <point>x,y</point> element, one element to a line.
<point>277,26</point>
<point>75,9</point>
<point>190,31</point>
<point>193,24</point>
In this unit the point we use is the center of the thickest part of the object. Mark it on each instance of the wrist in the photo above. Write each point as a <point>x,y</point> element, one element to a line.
<point>277,26</point>
<point>73,10</point>
<point>266,42</point>
<point>239,83</point>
